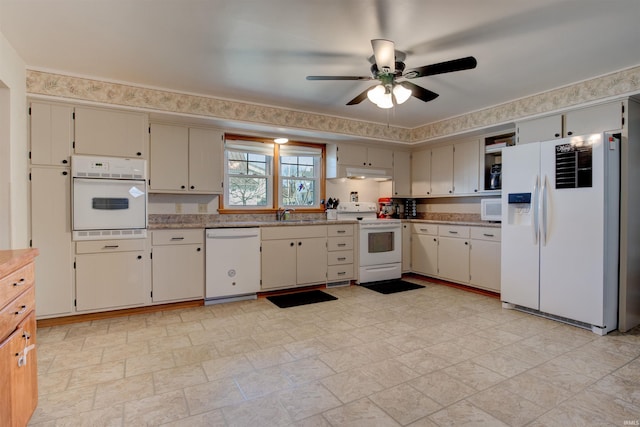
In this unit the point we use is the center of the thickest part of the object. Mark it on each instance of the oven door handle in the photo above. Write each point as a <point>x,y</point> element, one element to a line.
<point>381,228</point>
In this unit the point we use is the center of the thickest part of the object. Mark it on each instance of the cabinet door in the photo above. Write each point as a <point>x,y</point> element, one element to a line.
<point>169,158</point>
<point>596,119</point>
<point>109,280</point>
<point>310,265</point>
<point>205,160</point>
<point>279,265</point>
<point>379,158</point>
<point>542,129</point>
<point>466,167</point>
<point>111,132</point>
<point>401,173</point>
<point>421,173</point>
<point>51,134</point>
<point>406,248</point>
<point>177,273</point>
<point>352,155</point>
<point>424,254</point>
<point>484,264</point>
<point>51,234</point>
<point>442,170</point>
<point>453,259</point>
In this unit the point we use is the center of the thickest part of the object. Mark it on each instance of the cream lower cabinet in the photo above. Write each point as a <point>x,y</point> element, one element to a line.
<point>111,274</point>
<point>424,249</point>
<point>406,247</point>
<point>177,265</point>
<point>339,252</point>
<point>293,256</point>
<point>484,258</point>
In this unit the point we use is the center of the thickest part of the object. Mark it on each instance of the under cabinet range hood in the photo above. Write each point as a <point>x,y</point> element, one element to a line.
<point>365,173</point>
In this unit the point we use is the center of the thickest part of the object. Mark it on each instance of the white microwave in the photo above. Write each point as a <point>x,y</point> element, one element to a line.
<point>491,209</point>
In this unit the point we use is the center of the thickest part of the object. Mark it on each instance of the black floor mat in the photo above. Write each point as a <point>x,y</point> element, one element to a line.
<point>300,298</point>
<point>391,286</point>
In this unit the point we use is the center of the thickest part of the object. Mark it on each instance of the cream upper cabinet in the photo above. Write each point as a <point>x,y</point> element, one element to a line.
<point>51,134</point>
<point>442,170</point>
<point>359,155</point>
<point>185,159</point>
<point>421,173</point>
<point>466,167</point>
<point>541,129</point>
<point>402,173</point>
<point>104,132</point>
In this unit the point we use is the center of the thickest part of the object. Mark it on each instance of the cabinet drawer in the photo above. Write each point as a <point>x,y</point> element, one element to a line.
<point>14,312</point>
<point>420,228</point>
<point>340,230</point>
<point>16,282</point>
<point>340,244</point>
<point>177,237</point>
<point>453,231</point>
<point>339,272</point>
<point>486,233</point>
<point>101,246</point>
<point>293,232</point>
<point>340,257</point>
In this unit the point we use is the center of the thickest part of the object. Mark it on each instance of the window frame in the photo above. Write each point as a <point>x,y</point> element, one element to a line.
<point>276,179</point>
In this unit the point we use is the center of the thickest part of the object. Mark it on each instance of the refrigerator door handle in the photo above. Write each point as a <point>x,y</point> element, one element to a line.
<point>543,209</point>
<point>536,222</point>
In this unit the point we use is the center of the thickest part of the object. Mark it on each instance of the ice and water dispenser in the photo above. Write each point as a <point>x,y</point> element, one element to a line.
<point>519,209</point>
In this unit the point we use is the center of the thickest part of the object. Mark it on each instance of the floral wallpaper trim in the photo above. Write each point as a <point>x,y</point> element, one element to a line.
<point>43,83</point>
<point>619,83</point>
<point>625,82</point>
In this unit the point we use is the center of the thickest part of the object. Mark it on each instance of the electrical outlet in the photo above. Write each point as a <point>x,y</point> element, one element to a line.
<point>178,208</point>
<point>202,208</point>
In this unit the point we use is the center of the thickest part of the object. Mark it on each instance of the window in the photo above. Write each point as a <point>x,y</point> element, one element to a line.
<point>261,175</point>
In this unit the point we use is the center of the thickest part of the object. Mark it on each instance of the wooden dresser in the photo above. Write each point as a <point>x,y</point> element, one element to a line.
<point>18,367</point>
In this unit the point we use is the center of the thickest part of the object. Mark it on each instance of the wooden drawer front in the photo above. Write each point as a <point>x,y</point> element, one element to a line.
<point>100,246</point>
<point>340,230</point>
<point>293,232</point>
<point>453,231</point>
<point>420,228</point>
<point>177,237</point>
<point>14,312</point>
<point>339,272</point>
<point>15,283</point>
<point>340,243</point>
<point>486,233</point>
<point>340,257</point>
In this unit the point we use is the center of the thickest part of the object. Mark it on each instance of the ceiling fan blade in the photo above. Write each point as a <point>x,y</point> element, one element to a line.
<point>339,78</point>
<point>419,92</point>
<point>442,67</point>
<point>358,99</point>
<point>385,54</point>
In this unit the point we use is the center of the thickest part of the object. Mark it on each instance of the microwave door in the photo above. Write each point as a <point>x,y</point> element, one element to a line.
<point>105,204</point>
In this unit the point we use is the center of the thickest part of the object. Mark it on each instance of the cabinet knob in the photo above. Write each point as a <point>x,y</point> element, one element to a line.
<point>466,243</point>
<point>192,187</point>
<point>475,190</point>
<point>138,154</point>
<point>434,239</point>
<point>299,243</point>
<point>557,135</point>
<point>139,256</point>
<point>64,162</point>
<point>183,187</point>
<point>291,244</point>
<point>450,191</point>
<point>64,173</point>
<point>569,133</point>
<point>19,282</point>
<point>199,249</point>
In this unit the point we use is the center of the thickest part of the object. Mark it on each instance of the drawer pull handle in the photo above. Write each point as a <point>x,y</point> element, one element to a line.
<point>342,258</point>
<point>19,282</point>
<point>23,308</point>
<point>424,229</point>
<point>453,232</point>
<point>342,244</point>
<point>341,273</point>
<point>341,231</point>
<point>177,238</point>
<point>488,235</point>
<point>111,247</point>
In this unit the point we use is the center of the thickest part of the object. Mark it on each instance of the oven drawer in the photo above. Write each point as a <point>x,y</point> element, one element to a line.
<point>340,257</point>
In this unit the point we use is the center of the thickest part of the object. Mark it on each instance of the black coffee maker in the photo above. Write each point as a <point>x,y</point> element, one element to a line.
<point>495,177</point>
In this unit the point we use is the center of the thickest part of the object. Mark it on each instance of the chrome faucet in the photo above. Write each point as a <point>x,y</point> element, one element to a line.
<point>282,214</point>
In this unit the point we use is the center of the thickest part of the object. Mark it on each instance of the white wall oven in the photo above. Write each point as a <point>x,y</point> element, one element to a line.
<point>379,242</point>
<point>109,198</point>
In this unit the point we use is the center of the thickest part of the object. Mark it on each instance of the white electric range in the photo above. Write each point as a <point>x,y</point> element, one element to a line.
<point>379,242</point>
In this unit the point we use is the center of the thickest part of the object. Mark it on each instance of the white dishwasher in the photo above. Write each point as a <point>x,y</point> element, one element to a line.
<point>232,270</point>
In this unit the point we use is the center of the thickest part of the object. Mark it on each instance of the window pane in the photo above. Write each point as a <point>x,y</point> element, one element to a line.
<point>288,159</point>
<point>289,170</point>
<point>257,168</point>
<point>257,157</point>
<point>247,191</point>
<point>237,167</point>
<point>297,192</point>
<point>306,171</point>
<point>307,160</point>
<point>237,155</point>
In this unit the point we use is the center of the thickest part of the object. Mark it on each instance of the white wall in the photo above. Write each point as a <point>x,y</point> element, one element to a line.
<point>14,224</point>
<point>368,190</point>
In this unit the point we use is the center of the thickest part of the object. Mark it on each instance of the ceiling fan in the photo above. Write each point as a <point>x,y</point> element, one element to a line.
<point>394,88</point>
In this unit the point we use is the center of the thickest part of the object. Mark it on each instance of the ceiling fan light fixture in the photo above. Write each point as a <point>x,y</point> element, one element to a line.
<point>281,140</point>
<point>401,93</point>
<point>376,94</point>
<point>386,101</point>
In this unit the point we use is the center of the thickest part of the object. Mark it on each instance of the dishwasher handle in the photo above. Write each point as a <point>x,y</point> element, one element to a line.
<point>228,234</point>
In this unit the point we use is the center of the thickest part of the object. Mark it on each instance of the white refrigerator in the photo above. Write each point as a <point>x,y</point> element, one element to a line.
<point>560,229</point>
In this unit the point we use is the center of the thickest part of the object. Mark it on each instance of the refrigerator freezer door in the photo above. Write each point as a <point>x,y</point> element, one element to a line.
<point>572,224</point>
<point>520,243</point>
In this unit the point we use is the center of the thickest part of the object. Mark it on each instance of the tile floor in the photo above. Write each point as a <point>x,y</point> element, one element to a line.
<point>437,356</point>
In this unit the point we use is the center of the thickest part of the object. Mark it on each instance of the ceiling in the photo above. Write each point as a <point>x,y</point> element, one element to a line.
<point>260,51</point>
